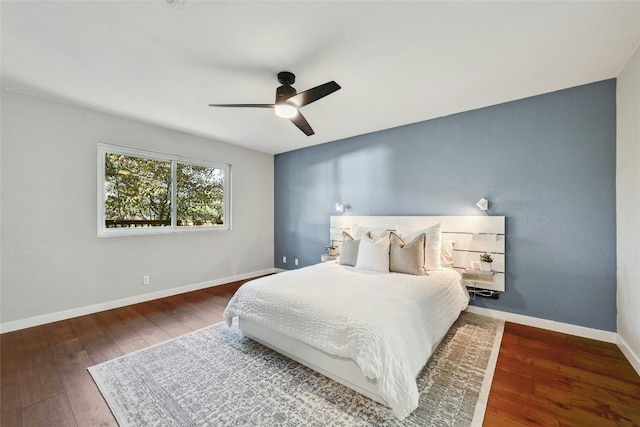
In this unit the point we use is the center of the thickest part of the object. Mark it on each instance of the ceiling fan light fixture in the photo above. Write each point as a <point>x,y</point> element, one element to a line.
<point>286,111</point>
<point>289,101</point>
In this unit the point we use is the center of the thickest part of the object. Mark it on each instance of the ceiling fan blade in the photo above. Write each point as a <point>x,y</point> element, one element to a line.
<point>244,105</point>
<point>311,95</point>
<point>302,124</point>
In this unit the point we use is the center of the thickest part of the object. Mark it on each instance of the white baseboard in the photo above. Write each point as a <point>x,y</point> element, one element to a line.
<point>566,328</point>
<point>631,356</point>
<point>89,309</point>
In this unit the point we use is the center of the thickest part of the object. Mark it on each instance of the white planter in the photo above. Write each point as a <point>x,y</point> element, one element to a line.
<point>333,252</point>
<point>485,266</point>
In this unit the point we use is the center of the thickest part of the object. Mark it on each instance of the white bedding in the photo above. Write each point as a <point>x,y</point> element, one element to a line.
<point>388,323</point>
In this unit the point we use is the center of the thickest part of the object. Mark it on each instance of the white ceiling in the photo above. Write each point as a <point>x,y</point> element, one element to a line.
<point>397,62</point>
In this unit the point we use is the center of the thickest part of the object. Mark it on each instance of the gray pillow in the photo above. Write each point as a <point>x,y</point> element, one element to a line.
<point>407,258</point>
<point>349,250</point>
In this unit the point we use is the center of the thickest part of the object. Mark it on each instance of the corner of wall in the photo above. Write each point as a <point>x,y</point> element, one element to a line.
<point>628,208</point>
<point>631,356</point>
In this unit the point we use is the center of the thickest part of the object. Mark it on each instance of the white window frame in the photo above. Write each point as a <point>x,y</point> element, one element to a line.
<point>103,231</point>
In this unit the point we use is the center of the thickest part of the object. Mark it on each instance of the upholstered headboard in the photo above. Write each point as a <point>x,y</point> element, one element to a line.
<point>473,235</point>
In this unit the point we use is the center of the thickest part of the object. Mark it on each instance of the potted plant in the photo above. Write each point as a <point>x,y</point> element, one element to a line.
<point>332,248</point>
<point>485,262</point>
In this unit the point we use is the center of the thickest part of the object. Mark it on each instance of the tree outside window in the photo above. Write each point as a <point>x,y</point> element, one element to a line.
<point>200,195</point>
<point>138,193</point>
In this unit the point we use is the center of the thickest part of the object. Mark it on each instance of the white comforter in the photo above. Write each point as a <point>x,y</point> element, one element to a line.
<point>388,323</point>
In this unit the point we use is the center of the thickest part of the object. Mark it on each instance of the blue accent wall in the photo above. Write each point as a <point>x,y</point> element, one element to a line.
<point>546,163</point>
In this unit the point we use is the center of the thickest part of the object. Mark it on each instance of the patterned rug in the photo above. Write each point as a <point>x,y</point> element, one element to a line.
<point>217,377</point>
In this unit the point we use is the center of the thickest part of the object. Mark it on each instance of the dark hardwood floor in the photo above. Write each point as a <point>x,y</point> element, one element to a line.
<point>546,378</point>
<point>542,378</point>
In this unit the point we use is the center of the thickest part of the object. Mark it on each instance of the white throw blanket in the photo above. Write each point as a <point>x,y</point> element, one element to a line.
<point>388,323</point>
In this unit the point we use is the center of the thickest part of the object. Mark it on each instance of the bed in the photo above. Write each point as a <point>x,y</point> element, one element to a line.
<point>371,331</point>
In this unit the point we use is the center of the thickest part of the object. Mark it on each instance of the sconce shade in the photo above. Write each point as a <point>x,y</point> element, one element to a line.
<point>339,207</point>
<point>483,204</point>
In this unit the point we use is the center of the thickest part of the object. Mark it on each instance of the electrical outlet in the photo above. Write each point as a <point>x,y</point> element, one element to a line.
<point>295,261</point>
<point>284,259</point>
<point>145,280</point>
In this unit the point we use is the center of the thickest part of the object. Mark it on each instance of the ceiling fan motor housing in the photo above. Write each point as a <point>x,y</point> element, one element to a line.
<point>286,78</point>
<point>285,91</point>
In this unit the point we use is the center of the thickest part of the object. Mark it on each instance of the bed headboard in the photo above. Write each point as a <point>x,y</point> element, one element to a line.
<point>473,235</point>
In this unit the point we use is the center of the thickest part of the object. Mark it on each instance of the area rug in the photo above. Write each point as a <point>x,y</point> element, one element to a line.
<point>217,377</point>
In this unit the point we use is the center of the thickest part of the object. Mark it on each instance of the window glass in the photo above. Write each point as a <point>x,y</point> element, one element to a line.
<point>142,192</point>
<point>200,195</point>
<point>137,192</point>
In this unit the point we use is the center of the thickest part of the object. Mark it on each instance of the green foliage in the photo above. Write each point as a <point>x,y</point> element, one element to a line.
<point>485,257</point>
<point>137,189</point>
<point>200,195</point>
<point>332,245</point>
<point>138,193</point>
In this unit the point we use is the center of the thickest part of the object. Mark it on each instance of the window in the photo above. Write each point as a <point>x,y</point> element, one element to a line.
<point>143,192</point>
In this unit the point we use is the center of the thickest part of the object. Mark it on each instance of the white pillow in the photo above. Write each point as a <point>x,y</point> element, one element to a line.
<point>348,250</point>
<point>432,248</point>
<point>373,255</point>
<point>446,258</point>
<point>358,231</point>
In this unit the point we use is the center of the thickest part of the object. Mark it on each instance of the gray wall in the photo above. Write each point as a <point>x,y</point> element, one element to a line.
<point>52,258</point>
<point>547,163</point>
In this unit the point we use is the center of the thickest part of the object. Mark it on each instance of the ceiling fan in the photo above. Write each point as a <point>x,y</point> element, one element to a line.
<point>288,101</point>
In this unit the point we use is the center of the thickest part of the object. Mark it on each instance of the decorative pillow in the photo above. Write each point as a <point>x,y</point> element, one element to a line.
<point>446,256</point>
<point>373,255</point>
<point>349,250</point>
<point>407,258</point>
<point>357,231</point>
<point>432,248</point>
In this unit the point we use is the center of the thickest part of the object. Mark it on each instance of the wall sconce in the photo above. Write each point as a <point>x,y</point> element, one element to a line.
<point>483,204</point>
<point>341,207</point>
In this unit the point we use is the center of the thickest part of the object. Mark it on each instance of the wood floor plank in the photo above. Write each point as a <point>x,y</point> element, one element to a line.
<point>10,402</point>
<point>516,380</point>
<point>52,412</point>
<point>543,410</point>
<point>11,406</point>
<point>558,340</point>
<point>541,367</point>
<point>165,322</point>
<point>576,382</point>
<point>175,308</point>
<point>222,294</point>
<point>565,385</point>
<point>148,330</point>
<point>85,327</point>
<point>101,348</point>
<point>209,309</point>
<point>87,404</point>
<point>602,358</point>
<point>592,403</point>
<point>39,378</point>
<point>30,339</point>
<point>125,337</point>
<point>542,378</point>
<point>507,409</point>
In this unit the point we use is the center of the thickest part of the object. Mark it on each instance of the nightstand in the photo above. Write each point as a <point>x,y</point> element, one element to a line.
<point>327,257</point>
